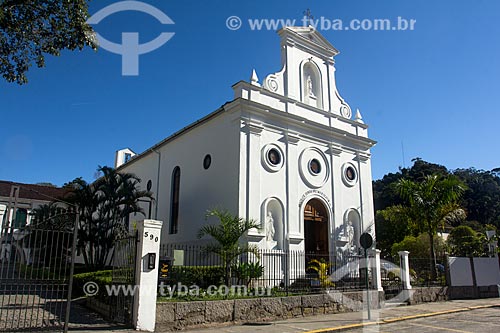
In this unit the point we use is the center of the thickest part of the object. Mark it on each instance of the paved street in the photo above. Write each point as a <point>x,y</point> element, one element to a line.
<point>480,320</point>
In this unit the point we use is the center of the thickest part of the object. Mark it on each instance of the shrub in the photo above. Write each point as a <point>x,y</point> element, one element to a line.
<point>245,272</point>
<point>202,276</point>
<point>102,278</point>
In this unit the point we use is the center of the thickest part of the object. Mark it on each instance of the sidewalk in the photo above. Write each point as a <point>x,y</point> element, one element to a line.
<point>342,321</point>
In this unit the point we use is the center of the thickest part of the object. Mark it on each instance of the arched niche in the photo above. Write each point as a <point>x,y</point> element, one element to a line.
<point>273,224</point>
<point>348,234</point>
<point>312,92</point>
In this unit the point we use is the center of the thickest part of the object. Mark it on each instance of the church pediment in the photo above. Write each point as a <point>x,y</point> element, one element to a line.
<point>309,37</point>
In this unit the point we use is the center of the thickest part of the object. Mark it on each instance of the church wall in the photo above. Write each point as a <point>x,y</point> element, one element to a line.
<point>200,189</point>
<point>293,185</point>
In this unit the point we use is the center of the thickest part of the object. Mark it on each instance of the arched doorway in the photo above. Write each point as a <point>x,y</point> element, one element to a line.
<point>316,230</point>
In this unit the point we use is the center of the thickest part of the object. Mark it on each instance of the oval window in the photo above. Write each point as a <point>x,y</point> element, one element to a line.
<point>350,173</point>
<point>274,156</point>
<point>315,166</point>
<point>207,161</point>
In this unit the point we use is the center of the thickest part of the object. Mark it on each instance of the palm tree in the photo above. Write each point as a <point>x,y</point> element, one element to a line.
<point>104,207</point>
<point>227,235</point>
<point>431,202</point>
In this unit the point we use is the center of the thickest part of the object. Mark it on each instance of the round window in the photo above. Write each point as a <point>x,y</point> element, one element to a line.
<point>207,161</point>
<point>315,166</point>
<point>274,156</point>
<point>350,173</point>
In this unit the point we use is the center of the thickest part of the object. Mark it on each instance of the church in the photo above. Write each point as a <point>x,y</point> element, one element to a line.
<point>287,151</point>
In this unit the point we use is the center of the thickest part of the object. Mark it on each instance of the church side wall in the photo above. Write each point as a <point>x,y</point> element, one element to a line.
<point>200,189</point>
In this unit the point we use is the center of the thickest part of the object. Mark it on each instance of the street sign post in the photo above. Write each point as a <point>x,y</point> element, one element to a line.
<point>366,242</point>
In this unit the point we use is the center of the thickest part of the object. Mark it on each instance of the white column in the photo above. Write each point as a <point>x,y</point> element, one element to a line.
<point>144,315</point>
<point>3,209</point>
<point>375,266</point>
<point>404,264</point>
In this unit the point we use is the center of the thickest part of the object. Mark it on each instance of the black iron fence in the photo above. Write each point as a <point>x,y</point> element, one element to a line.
<point>421,274</point>
<point>123,274</point>
<point>424,272</point>
<point>35,274</point>
<point>279,272</point>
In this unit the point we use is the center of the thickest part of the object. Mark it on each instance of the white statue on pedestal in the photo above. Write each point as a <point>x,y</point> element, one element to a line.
<point>270,227</point>
<point>345,240</point>
<point>309,86</point>
<point>270,232</point>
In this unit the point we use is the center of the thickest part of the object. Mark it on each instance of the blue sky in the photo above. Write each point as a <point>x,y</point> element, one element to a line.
<point>433,90</point>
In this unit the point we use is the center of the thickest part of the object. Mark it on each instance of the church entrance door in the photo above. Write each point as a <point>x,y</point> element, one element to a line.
<point>316,230</point>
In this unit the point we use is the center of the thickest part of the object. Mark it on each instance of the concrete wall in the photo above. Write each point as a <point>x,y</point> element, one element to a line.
<point>179,315</point>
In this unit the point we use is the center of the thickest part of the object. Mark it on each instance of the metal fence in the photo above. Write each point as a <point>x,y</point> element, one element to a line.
<point>421,274</point>
<point>35,273</point>
<point>123,273</point>
<point>282,272</point>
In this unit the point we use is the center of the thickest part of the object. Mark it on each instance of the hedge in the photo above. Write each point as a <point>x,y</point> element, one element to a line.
<point>101,278</point>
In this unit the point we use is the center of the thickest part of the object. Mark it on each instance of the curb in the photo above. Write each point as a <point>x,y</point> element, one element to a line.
<point>397,319</point>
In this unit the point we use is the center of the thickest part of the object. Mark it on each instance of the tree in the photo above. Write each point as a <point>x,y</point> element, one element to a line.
<point>465,242</point>
<point>482,197</point>
<point>31,29</point>
<point>418,246</point>
<point>227,235</point>
<point>104,208</point>
<point>431,202</point>
<point>392,225</point>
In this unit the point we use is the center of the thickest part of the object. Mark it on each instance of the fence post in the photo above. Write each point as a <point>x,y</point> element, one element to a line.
<point>404,264</point>
<point>146,274</point>
<point>376,272</point>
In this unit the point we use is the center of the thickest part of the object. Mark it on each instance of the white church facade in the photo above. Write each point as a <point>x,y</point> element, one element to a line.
<point>287,152</point>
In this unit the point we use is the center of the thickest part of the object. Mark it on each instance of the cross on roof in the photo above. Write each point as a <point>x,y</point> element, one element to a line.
<point>307,13</point>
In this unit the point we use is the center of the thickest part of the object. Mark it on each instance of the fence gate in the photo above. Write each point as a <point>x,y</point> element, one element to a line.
<point>123,279</point>
<point>36,273</point>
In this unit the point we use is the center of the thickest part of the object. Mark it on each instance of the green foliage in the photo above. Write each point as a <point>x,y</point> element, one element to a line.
<point>384,193</point>
<point>202,276</point>
<point>321,267</point>
<point>482,197</point>
<point>227,234</point>
<point>430,203</point>
<point>392,225</point>
<point>102,278</point>
<point>247,271</point>
<point>29,30</point>
<point>418,246</point>
<point>465,242</point>
<point>104,208</point>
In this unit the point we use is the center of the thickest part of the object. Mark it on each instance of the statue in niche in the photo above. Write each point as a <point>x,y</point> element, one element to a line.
<point>270,227</point>
<point>346,244</point>
<point>350,235</point>
<point>309,85</point>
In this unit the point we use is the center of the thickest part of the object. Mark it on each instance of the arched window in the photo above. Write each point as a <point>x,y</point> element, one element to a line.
<point>174,201</point>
